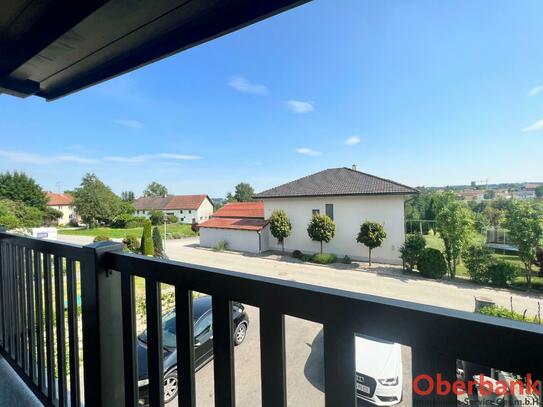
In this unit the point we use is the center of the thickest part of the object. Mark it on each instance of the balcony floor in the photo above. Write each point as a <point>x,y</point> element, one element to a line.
<point>13,391</point>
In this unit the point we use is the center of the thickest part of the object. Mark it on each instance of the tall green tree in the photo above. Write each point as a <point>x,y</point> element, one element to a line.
<point>539,191</point>
<point>321,229</point>
<point>158,247</point>
<point>244,192</point>
<point>17,186</point>
<point>147,247</point>
<point>371,235</point>
<point>127,196</point>
<point>494,216</point>
<point>455,225</point>
<point>280,226</point>
<point>525,224</point>
<point>96,203</point>
<point>155,189</point>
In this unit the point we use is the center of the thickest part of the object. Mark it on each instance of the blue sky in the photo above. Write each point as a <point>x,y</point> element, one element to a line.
<point>422,92</point>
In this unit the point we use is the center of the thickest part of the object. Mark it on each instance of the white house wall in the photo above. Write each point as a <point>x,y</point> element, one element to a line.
<point>349,214</point>
<point>199,215</point>
<point>238,240</point>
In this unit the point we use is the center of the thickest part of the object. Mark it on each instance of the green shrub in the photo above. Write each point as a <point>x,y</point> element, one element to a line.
<point>306,257</point>
<point>324,258</point>
<point>136,222</point>
<point>177,235</point>
<point>297,254</point>
<point>501,312</point>
<point>431,264</point>
<point>172,219</point>
<point>157,244</point>
<point>132,243</point>
<point>346,260</point>
<point>101,238</point>
<point>502,273</point>
<point>477,259</point>
<point>221,246</point>
<point>147,248</point>
<point>412,249</point>
<point>156,217</point>
<point>120,221</point>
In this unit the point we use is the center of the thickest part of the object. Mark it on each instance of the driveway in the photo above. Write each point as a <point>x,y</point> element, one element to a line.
<point>305,367</point>
<point>384,281</point>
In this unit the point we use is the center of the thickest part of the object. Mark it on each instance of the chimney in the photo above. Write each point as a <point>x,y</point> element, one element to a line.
<point>354,167</point>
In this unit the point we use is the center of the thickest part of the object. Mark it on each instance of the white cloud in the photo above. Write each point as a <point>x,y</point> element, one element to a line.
<point>242,84</point>
<point>536,90</point>
<point>352,140</point>
<point>31,158</point>
<point>133,124</point>
<point>148,157</point>
<point>538,125</point>
<point>308,151</point>
<point>299,106</point>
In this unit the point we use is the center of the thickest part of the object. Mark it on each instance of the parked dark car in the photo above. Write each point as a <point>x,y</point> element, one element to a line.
<point>203,345</point>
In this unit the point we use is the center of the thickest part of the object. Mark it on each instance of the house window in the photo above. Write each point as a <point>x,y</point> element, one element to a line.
<point>190,211</point>
<point>316,212</point>
<point>329,210</point>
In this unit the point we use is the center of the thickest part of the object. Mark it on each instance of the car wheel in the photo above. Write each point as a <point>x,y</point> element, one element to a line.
<point>171,386</point>
<point>240,333</point>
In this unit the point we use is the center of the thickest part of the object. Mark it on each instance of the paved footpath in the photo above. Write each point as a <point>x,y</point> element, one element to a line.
<point>385,281</point>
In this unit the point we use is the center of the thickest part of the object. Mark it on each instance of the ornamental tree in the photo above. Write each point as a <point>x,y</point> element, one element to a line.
<point>412,249</point>
<point>155,189</point>
<point>524,221</point>
<point>157,243</point>
<point>321,229</point>
<point>455,225</point>
<point>147,247</point>
<point>280,226</point>
<point>371,235</point>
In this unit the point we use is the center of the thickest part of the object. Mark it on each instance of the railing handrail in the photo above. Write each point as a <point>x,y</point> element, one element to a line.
<point>411,324</point>
<point>52,247</point>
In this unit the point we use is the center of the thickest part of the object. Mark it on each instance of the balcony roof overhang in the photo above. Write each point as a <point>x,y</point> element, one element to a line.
<point>53,48</point>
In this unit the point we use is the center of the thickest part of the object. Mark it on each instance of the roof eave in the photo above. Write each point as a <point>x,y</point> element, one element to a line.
<point>415,192</point>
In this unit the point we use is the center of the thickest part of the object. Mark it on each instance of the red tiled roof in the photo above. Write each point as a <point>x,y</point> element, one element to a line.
<point>59,199</point>
<point>253,210</point>
<point>234,223</point>
<point>169,202</point>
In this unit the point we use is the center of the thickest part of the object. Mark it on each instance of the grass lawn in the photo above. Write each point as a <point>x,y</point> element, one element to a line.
<point>435,242</point>
<point>112,233</point>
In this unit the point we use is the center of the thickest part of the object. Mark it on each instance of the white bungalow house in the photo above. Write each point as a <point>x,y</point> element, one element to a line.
<point>187,208</point>
<point>348,196</point>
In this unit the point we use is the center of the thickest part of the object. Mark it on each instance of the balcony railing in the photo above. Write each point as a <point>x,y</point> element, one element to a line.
<point>37,276</point>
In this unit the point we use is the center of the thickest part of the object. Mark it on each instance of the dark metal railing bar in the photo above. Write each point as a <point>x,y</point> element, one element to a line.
<point>3,261</point>
<point>31,314</point>
<point>60,321</point>
<point>53,248</point>
<point>73,340</point>
<point>185,342</point>
<point>129,341</point>
<point>223,351</point>
<point>339,365</point>
<point>17,304</point>
<point>50,353</point>
<point>272,358</point>
<point>38,282</point>
<point>23,308</point>
<point>154,343</point>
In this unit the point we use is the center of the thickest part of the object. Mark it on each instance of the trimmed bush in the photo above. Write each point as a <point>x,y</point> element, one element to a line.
<point>324,258</point>
<point>172,219</point>
<point>136,222</point>
<point>346,260</point>
<point>297,254</point>
<point>157,244</point>
<point>121,221</point>
<point>221,246</point>
<point>412,249</point>
<point>501,312</point>
<point>477,259</point>
<point>147,248</point>
<point>502,273</point>
<point>156,217</point>
<point>101,238</point>
<point>306,257</point>
<point>431,264</point>
<point>132,243</point>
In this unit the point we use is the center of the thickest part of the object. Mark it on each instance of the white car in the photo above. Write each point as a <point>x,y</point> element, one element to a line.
<point>378,370</point>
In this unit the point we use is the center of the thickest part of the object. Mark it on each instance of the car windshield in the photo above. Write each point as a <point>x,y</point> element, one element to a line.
<point>168,331</point>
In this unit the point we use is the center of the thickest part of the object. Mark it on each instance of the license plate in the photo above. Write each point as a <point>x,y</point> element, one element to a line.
<point>362,388</point>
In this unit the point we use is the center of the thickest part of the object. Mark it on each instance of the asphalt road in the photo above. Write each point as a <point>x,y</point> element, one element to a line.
<point>305,367</point>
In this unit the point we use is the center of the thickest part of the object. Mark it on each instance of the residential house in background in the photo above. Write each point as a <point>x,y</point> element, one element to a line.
<point>241,224</point>
<point>65,204</point>
<point>349,197</point>
<point>477,195</point>
<point>187,208</point>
